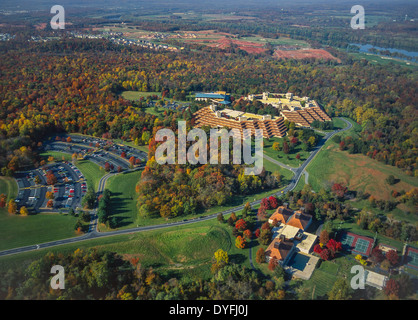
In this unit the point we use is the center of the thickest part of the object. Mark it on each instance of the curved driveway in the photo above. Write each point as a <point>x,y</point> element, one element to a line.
<point>94,234</point>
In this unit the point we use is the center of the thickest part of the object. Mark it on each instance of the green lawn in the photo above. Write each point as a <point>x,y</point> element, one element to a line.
<point>360,173</point>
<point>377,59</point>
<point>8,186</point>
<point>17,231</point>
<point>184,251</point>
<point>91,172</point>
<point>301,183</point>
<point>279,41</point>
<point>123,200</point>
<point>289,159</point>
<point>136,95</point>
<point>271,167</point>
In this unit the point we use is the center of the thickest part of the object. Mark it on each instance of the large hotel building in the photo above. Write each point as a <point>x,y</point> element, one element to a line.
<point>301,111</point>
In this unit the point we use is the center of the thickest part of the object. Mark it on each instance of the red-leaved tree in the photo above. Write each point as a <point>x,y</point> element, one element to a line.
<point>392,257</point>
<point>273,202</point>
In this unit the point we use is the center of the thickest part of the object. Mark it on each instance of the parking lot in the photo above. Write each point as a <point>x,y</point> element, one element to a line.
<point>68,190</point>
<point>99,151</point>
<point>70,185</point>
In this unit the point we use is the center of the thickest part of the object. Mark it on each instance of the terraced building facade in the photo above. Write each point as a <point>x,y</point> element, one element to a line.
<point>272,126</point>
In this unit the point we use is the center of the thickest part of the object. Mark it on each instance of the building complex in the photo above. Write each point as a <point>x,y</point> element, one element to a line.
<point>301,111</point>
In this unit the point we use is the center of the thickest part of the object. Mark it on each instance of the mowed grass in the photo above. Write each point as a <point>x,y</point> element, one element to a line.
<point>136,95</point>
<point>288,159</point>
<point>17,231</point>
<point>280,41</point>
<point>8,186</point>
<point>189,249</point>
<point>184,251</point>
<point>272,168</point>
<point>356,171</point>
<point>123,199</point>
<point>91,172</point>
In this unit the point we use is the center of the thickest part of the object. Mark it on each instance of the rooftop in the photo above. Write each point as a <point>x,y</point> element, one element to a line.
<point>300,220</point>
<point>279,249</point>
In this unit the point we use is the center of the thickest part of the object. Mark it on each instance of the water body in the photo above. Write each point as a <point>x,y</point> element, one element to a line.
<point>365,48</point>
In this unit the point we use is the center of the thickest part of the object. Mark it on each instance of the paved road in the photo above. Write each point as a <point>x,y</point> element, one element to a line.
<point>94,234</point>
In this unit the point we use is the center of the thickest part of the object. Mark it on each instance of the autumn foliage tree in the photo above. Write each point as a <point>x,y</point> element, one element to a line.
<point>3,199</point>
<point>240,242</point>
<point>241,225</point>
<point>272,264</point>
<point>51,178</point>
<point>12,207</point>
<point>392,288</point>
<point>392,257</point>
<point>260,256</point>
<point>339,190</point>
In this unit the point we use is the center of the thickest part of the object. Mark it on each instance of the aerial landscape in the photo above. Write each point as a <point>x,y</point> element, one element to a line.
<point>232,151</point>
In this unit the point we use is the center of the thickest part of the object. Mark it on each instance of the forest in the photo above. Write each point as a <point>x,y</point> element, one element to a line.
<point>75,85</point>
<point>98,275</point>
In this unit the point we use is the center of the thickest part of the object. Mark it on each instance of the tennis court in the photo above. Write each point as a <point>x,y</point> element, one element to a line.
<point>412,258</point>
<point>356,243</point>
<point>347,240</point>
<point>362,246</point>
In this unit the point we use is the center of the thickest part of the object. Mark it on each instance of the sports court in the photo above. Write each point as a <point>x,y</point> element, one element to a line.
<point>356,243</point>
<point>412,258</point>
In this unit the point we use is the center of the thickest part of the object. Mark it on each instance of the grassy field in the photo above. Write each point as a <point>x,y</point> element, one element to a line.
<point>17,231</point>
<point>356,171</point>
<point>136,95</point>
<point>359,173</point>
<point>271,167</point>
<point>8,186</point>
<point>377,59</point>
<point>184,251</point>
<point>123,200</point>
<point>289,159</point>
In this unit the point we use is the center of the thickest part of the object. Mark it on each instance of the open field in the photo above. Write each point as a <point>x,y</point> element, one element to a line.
<point>17,231</point>
<point>136,95</point>
<point>225,43</point>
<point>184,251</point>
<point>379,60</point>
<point>123,199</point>
<point>357,172</point>
<point>282,41</point>
<point>8,186</point>
<point>290,158</point>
